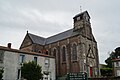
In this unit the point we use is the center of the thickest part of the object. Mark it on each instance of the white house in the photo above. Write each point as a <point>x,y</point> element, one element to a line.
<point>11,59</point>
<point>116,67</point>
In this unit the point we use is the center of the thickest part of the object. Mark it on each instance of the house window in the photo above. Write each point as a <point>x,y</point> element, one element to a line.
<point>46,62</point>
<point>117,64</point>
<point>74,52</point>
<point>35,59</point>
<point>63,54</point>
<point>22,58</point>
<point>39,51</point>
<point>1,56</point>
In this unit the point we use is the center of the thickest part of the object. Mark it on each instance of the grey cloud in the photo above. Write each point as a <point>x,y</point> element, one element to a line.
<point>48,17</point>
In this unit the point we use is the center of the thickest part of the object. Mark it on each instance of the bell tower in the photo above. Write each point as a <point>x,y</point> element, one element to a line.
<point>82,24</point>
<point>81,20</point>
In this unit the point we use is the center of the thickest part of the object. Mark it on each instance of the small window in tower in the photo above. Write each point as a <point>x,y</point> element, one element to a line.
<point>87,19</point>
<point>78,18</point>
<point>81,17</point>
<point>75,20</point>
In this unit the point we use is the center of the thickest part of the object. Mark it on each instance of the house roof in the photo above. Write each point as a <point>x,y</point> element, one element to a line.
<point>116,59</point>
<point>24,52</point>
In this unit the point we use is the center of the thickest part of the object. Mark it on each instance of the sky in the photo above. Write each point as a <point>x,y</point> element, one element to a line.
<point>49,17</point>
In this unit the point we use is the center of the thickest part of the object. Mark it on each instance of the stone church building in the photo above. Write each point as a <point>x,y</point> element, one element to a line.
<point>75,50</point>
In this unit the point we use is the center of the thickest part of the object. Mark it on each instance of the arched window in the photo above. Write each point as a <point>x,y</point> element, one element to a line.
<point>39,51</point>
<point>74,52</point>
<point>54,52</point>
<point>46,52</point>
<point>63,53</point>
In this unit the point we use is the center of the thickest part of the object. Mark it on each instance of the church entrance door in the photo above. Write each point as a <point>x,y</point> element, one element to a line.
<point>91,71</point>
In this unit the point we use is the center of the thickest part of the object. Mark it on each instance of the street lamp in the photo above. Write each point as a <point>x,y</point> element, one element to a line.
<point>47,65</point>
<point>84,67</point>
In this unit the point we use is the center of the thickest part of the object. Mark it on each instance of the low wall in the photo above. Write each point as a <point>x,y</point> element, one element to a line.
<point>105,78</point>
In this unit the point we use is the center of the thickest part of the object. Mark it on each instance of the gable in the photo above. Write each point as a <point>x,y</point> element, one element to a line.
<point>37,39</point>
<point>90,53</point>
<point>26,42</point>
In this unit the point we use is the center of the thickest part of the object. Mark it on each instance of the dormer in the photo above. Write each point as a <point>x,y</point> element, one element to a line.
<point>81,19</point>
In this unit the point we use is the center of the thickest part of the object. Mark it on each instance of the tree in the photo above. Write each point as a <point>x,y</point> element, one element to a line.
<point>106,71</point>
<point>113,55</point>
<point>1,73</point>
<point>31,71</point>
<point>108,61</point>
<point>117,52</point>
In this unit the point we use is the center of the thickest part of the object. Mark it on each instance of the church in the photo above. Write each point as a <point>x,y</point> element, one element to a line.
<point>74,50</point>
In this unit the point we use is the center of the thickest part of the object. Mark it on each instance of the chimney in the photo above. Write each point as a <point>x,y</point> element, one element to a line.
<point>9,45</point>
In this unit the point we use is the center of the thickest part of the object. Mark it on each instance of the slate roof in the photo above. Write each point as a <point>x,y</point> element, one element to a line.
<point>42,41</point>
<point>66,34</point>
<point>37,39</point>
<point>60,36</point>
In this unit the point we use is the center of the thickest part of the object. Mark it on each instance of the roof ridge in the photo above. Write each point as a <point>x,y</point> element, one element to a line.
<point>24,52</point>
<point>43,41</point>
<point>59,33</point>
<point>37,39</point>
<point>36,35</point>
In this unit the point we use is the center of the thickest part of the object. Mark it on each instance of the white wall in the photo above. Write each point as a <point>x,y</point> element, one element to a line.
<point>118,72</point>
<point>10,65</point>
